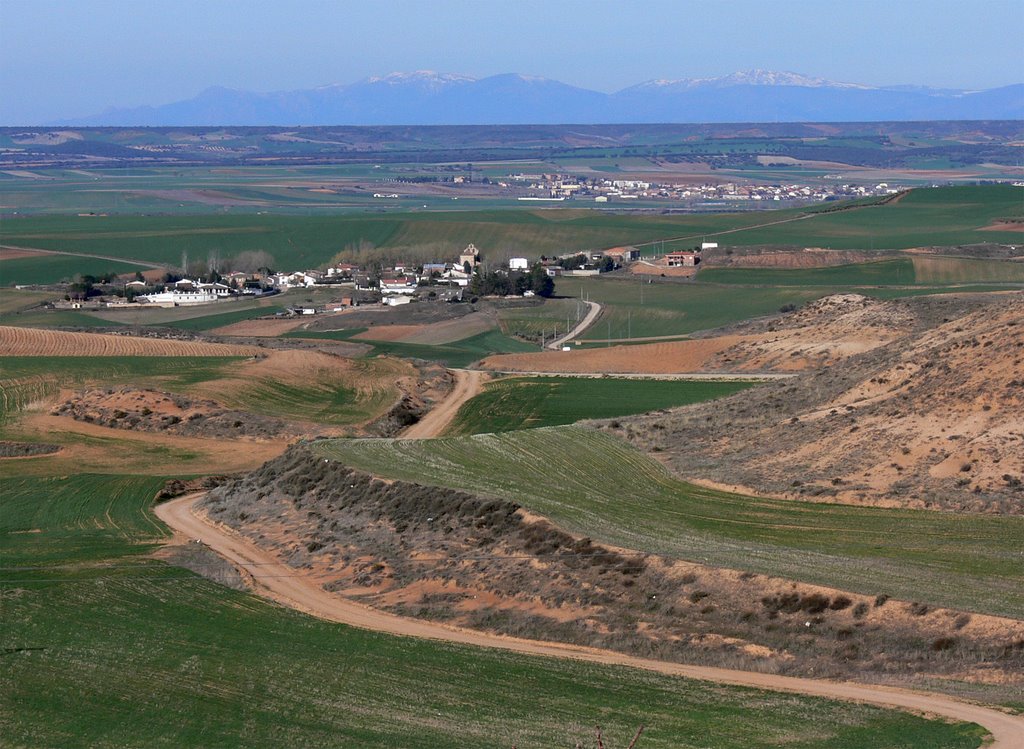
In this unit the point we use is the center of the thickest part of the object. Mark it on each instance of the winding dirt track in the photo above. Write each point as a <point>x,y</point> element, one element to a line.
<point>291,588</point>
<point>468,383</point>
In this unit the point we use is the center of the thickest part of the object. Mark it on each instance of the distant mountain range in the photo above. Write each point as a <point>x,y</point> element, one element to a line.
<point>429,98</point>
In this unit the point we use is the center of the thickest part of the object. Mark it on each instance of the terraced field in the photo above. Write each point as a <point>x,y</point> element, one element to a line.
<point>598,486</point>
<point>146,654</point>
<point>37,342</point>
<point>528,402</point>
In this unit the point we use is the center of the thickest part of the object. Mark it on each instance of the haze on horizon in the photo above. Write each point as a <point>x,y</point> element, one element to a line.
<point>61,59</point>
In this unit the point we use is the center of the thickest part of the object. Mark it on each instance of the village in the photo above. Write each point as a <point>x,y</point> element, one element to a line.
<point>559,187</point>
<point>394,285</point>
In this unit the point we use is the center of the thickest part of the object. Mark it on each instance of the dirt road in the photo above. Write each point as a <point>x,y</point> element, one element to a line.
<point>290,587</point>
<point>468,383</point>
<point>586,322</point>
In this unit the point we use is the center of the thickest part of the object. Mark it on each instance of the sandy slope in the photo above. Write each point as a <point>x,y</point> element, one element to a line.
<point>292,588</point>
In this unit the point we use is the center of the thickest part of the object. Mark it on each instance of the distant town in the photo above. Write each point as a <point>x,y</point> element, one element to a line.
<point>393,284</point>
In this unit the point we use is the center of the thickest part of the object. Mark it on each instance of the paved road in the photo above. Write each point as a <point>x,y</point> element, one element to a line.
<point>586,322</point>
<point>293,588</point>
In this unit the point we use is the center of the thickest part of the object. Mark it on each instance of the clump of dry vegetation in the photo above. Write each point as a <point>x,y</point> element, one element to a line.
<point>10,449</point>
<point>933,419</point>
<point>487,563</point>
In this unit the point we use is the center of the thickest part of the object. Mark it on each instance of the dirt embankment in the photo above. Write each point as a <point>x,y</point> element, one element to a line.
<point>9,449</point>
<point>934,418</point>
<point>467,384</point>
<point>147,410</point>
<point>487,564</point>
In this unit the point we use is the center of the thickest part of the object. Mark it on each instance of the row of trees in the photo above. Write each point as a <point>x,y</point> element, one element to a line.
<point>494,283</point>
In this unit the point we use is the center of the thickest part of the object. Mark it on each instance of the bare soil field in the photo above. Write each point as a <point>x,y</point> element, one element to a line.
<point>934,418</point>
<point>41,342</point>
<point>816,336</point>
<point>810,257</point>
<point>655,358</point>
<point>1004,226</point>
<point>260,328</point>
<point>432,334</point>
<point>489,565</point>
<point>13,253</point>
<point>407,314</point>
<point>659,268</point>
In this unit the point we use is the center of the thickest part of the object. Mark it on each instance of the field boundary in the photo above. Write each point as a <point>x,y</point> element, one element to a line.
<point>696,376</point>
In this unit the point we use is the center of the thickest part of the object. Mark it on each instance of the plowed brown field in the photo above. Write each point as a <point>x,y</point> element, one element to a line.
<point>655,358</point>
<point>36,342</point>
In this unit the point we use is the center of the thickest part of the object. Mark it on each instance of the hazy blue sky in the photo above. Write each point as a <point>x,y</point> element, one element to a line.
<point>66,58</point>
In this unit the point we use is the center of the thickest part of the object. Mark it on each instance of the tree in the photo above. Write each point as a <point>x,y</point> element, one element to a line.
<point>541,283</point>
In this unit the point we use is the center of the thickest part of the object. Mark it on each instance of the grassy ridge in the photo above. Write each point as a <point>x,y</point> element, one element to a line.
<point>24,379</point>
<point>108,649</point>
<point>322,396</point>
<point>598,486</point>
<point>527,402</point>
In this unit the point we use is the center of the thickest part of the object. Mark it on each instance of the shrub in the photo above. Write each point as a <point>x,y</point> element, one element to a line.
<point>918,609</point>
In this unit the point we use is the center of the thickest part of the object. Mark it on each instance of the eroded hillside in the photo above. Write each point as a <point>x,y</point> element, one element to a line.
<point>933,418</point>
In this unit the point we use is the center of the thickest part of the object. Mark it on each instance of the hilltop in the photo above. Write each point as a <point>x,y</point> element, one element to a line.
<point>931,419</point>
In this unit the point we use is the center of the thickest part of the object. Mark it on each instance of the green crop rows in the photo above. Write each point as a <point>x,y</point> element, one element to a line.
<point>519,403</point>
<point>105,648</point>
<point>596,485</point>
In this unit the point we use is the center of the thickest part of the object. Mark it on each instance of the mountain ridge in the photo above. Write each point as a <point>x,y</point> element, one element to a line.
<point>426,97</point>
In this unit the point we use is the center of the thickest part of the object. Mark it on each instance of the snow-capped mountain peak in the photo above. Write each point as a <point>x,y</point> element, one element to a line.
<point>755,77</point>
<point>428,77</point>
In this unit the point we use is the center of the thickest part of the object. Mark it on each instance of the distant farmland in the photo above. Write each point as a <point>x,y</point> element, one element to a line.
<point>942,216</point>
